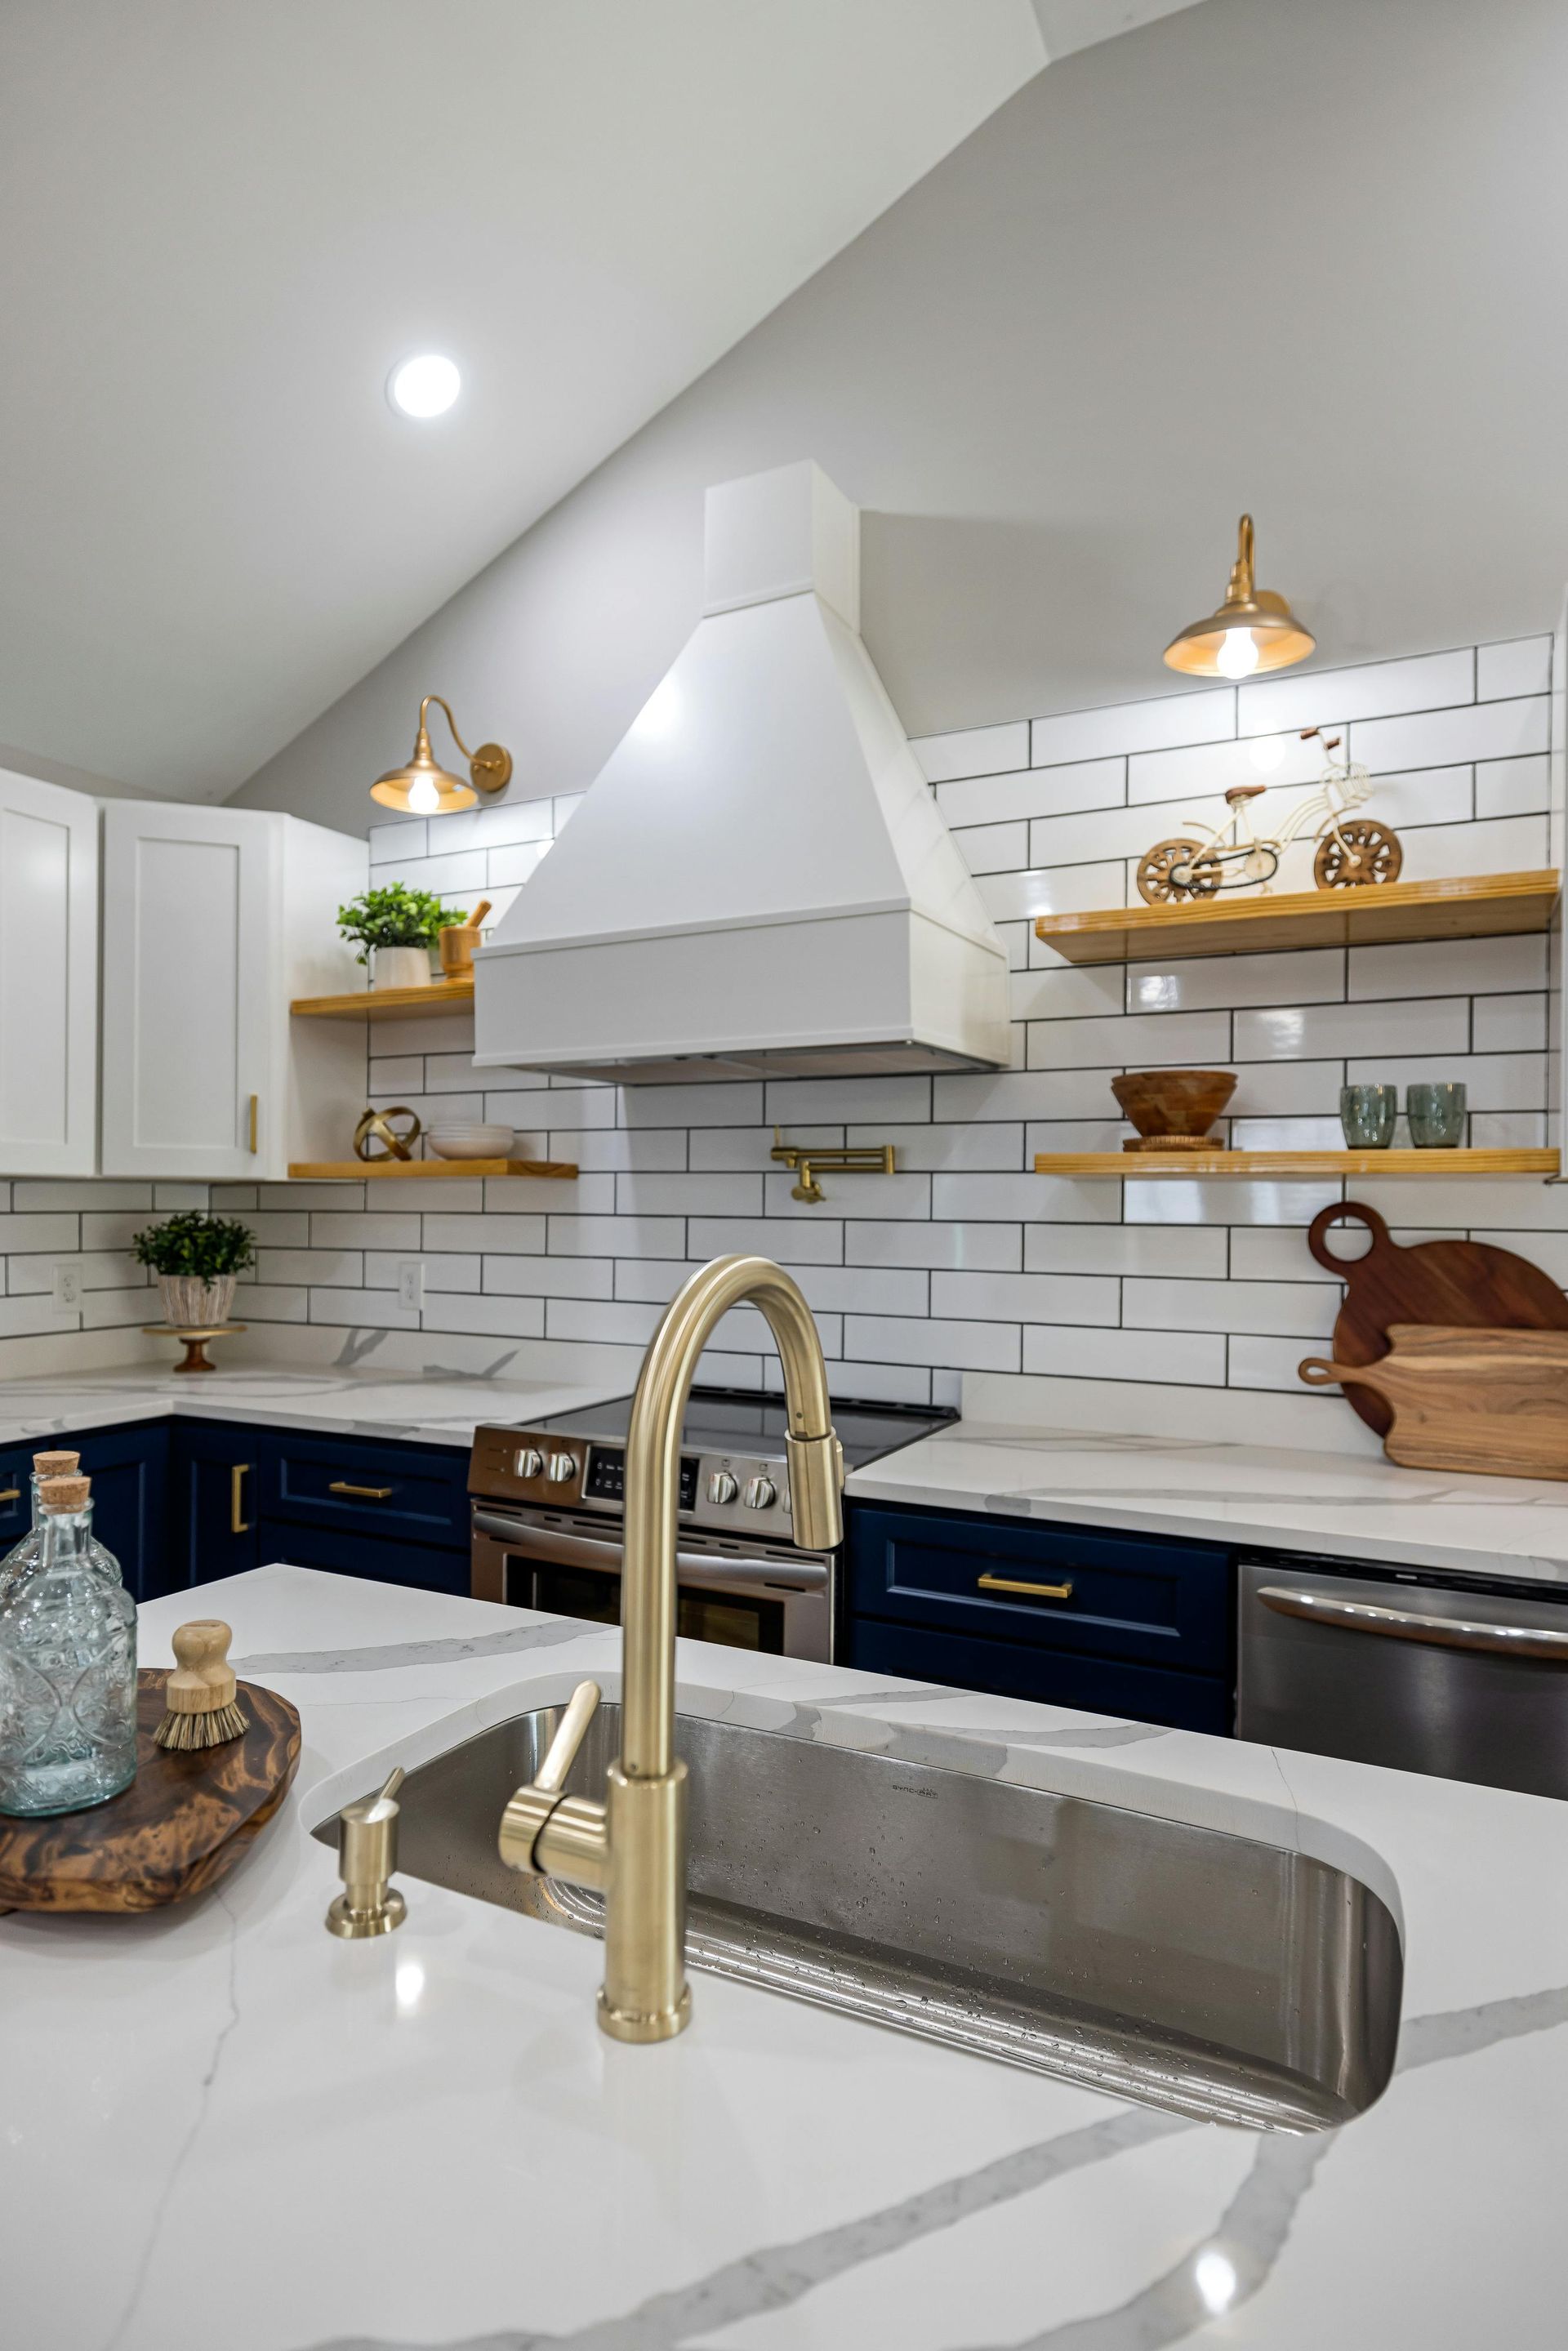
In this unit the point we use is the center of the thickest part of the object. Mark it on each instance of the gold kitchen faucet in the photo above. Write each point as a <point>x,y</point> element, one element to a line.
<point>631,1847</point>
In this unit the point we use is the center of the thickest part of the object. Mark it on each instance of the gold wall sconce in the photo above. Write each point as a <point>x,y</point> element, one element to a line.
<point>1253,630</point>
<point>805,1159</point>
<point>425,789</point>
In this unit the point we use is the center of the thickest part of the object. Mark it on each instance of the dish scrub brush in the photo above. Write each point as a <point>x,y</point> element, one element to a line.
<point>200,1694</point>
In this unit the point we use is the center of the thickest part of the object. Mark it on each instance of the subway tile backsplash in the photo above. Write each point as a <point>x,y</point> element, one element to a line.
<point>1101,1304</point>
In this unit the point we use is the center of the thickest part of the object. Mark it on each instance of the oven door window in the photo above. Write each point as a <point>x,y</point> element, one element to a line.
<point>735,1620</point>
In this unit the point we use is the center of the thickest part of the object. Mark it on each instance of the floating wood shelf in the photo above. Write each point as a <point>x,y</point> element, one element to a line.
<point>357,1171</point>
<point>388,1003</point>
<point>1267,1164</point>
<point>1468,906</point>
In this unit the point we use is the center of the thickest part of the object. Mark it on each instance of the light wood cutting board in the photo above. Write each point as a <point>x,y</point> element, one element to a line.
<point>1494,1401</point>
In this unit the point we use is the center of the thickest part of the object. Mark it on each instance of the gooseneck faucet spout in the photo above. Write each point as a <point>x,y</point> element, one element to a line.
<point>634,1845</point>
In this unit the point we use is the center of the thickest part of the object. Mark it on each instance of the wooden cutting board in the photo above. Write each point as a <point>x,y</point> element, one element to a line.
<point>182,1823</point>
<point>1492,1401</point>
<point>1454,1284</point>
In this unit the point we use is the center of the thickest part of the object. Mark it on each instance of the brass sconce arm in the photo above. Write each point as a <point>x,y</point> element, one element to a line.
<point>804,1159</point>
<point>424,788</point>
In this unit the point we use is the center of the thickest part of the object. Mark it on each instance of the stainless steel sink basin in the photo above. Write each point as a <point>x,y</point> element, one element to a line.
<point>1214,1975</point>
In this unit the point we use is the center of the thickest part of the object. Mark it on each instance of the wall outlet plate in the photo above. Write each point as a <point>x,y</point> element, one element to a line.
<point>67,1282</point>
<point>410,1284</point>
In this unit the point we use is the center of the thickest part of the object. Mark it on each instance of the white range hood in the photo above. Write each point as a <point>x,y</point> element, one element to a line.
<point>759,881</point>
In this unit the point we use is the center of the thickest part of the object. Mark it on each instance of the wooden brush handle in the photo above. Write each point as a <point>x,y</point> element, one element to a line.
<point>203,1680</point>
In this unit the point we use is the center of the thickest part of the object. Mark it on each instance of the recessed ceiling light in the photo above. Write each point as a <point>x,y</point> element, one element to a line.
<point>426,386</point>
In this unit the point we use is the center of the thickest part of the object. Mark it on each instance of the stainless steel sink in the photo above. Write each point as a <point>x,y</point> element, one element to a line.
<point>1214,1975</point>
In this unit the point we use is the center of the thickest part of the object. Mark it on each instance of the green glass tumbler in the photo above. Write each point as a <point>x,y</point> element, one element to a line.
<point>1436,1115</point>
<point>1367,1114</point>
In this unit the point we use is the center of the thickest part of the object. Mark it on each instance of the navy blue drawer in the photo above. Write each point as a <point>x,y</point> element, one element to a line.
<point>365,1554</point>
<point>1098,1685</point>
<point>415,1493</point>
<point>1163,1604</point>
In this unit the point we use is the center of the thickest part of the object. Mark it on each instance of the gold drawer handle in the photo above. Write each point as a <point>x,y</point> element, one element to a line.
<point>361,1493</point>
<point>11,1494</point>
<point>1035,1590</point>
<point>238,1524</point>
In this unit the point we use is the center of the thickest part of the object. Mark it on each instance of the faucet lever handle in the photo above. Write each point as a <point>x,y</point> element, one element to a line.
<point>561,1753</point>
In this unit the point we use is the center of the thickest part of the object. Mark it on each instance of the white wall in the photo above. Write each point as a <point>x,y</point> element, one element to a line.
<point>1306,259</point>
<point>1150,1305</point>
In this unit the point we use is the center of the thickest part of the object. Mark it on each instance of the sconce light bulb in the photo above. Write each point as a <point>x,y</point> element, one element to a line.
<point>1238,655</point>
<point>423,799</point>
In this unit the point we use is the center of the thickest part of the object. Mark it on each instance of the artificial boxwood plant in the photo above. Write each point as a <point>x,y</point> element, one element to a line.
<point>395,917</point>
<point>203,1247</point>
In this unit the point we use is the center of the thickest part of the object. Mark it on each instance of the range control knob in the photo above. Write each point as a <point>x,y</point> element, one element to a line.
<point>760,1494</point>
<point>721,1486</point>
<point>562,1467</point>
<point>529,1462</point>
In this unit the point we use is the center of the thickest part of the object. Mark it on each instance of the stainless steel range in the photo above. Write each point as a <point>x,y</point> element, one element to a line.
<point>547,1517</point>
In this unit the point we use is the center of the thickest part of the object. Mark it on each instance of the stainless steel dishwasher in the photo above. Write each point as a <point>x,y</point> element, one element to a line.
<point>1469,1682</point>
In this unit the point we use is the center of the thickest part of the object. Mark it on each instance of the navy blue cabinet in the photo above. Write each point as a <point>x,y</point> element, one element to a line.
<point>414,1493</point>
<point>182,1502</point>
<point>1128,1624</point>
<point>215,1501</point>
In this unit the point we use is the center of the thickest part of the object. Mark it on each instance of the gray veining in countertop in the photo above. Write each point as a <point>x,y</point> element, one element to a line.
<point>1348,1506</point>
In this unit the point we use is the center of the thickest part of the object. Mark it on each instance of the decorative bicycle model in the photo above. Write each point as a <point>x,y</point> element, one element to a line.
<point>1349,856</point>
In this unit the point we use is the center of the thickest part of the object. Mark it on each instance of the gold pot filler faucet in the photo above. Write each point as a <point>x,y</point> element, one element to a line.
<point>632,1848</point>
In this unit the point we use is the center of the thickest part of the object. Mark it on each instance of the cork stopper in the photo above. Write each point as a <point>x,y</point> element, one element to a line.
<point>61,1495</point>
<point>57,1465</point>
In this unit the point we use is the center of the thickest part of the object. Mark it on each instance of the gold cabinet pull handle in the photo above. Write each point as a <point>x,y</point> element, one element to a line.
<point>255,1118</point>
<point>11,1494</point>
<point>360,1493</point>
<point>1035,1590</point>
<point>238,1524</point>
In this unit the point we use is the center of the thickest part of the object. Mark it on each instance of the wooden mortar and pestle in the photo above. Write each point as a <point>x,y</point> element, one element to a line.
<point>458,941</point>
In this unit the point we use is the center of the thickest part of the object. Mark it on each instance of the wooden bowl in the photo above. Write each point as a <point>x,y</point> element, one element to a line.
<point>1174,1102</point>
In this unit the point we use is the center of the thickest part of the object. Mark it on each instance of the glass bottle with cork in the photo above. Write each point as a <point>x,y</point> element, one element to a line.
<point>67,1666</point>
<point>30,1547</point>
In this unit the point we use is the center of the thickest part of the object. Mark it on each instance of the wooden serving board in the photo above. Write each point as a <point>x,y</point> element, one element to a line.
<point>1453,1284</point>
<point>1494,1401</point>
<point>182,1823</point>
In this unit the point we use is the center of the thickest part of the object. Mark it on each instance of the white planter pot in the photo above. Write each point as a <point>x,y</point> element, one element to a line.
<point>400,968</point>
<point>192,1305</point>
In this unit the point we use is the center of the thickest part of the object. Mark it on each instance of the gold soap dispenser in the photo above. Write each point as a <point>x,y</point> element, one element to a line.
<point>367,1856</point>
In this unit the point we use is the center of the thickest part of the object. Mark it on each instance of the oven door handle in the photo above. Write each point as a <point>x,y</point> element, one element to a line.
<point>1531,1641</point>
<point>554,1547</point>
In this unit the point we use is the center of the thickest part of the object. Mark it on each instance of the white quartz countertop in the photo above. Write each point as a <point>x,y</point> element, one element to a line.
<point>220,2125</point>
<point>1346,1505</point>
<point>432,1407</point>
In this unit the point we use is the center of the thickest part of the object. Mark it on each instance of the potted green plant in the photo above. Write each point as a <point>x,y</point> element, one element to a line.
<point>398,925</point>
<point>197,1260</point>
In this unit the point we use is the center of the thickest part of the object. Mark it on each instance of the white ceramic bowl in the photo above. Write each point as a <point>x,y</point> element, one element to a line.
<point>472,1142</point>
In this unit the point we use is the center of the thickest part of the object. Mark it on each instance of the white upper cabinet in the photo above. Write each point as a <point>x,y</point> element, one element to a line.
<point>213,918</point>
<point>49,979</point>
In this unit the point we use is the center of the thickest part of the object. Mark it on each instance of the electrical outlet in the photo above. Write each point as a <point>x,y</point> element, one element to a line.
<point>410,1284</point>
<point>67,1282</point>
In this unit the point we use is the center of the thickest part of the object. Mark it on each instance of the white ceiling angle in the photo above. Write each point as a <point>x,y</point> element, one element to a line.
<point>227,226</point>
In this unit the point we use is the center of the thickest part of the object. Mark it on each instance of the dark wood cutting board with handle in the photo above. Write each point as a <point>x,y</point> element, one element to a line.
<point>182,1823</point>
<point>1460,1285</point>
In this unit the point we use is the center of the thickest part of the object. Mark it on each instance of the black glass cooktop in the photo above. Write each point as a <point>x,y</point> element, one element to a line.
<point>732,1420</point>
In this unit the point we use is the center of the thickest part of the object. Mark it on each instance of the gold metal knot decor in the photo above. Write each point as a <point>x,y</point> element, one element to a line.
<point>375,1128</point>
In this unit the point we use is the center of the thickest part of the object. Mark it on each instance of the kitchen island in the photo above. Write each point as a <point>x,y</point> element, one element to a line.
<point>223,2125</point>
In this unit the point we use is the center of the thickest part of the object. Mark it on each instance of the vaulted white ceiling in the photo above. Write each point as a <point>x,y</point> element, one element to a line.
<point>224,223</point>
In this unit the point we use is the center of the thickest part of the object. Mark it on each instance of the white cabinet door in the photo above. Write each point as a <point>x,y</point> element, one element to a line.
<point>190,966</point>
<point>49,979</point>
